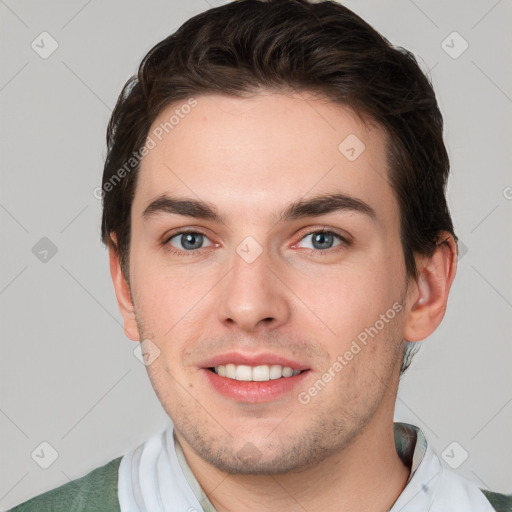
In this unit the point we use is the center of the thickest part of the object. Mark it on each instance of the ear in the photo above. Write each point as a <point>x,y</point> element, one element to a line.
<point>428,294</point>
<point>122,289</point>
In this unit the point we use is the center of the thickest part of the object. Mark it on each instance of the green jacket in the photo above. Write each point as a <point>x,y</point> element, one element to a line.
<point>95,492</point>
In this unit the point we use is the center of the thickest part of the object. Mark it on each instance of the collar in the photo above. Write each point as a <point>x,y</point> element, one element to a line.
<point>155,477</point>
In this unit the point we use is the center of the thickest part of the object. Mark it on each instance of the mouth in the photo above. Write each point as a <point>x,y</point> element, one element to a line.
<point>260,373</point>
<point>248,379</point>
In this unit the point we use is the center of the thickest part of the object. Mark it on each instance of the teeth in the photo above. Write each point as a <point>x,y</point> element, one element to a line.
<point>243,372</point>
<point>275,372</point>
<point>287,371</point>
<point>230,371</point>
<point>260,373</point>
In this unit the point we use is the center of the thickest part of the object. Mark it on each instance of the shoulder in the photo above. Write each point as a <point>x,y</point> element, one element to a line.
<point>96,491</point>
<point>500,502</point>
<point>459,493</point>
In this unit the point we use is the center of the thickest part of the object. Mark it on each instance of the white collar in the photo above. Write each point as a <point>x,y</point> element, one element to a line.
<point>151,479</point>
<point>431,486</point>
<point>156,478</point>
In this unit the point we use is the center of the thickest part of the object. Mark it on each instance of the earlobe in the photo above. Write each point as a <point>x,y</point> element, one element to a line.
<point>123,295</point>
<point>428,294</point>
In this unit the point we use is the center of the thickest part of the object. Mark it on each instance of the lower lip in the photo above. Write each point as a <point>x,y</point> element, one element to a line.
<point>254,392</point>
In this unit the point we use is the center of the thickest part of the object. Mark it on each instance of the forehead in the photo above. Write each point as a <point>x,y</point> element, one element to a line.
<point>249,154</point>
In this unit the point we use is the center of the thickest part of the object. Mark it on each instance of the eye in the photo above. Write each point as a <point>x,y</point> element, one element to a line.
<point>188,241</point>
<point>323,240</point>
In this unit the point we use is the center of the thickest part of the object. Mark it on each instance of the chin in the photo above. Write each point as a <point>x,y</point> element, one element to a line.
<point>270,458</point>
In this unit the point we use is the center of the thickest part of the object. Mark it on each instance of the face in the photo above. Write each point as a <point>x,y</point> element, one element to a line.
<point>266,270</point>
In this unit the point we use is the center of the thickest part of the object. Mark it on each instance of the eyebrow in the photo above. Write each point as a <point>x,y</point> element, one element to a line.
<point>324,204</point>
<point>182,206</point>
<point>314,207</point>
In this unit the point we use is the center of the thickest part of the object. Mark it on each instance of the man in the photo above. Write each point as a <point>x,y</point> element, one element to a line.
<point>279,239</point>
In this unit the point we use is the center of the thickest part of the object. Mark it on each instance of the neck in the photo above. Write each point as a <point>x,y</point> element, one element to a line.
<point>367,475</point>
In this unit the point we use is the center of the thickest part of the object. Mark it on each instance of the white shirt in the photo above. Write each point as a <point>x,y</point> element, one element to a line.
<point>155,477</point>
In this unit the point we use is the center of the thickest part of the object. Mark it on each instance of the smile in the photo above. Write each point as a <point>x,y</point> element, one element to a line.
<point>260,373</point>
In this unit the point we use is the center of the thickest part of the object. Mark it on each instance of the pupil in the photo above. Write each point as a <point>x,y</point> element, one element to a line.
<point>187,240</point>
<point>322,240</point>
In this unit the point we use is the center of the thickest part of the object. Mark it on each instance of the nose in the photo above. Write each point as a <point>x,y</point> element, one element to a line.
<point>252,297</point>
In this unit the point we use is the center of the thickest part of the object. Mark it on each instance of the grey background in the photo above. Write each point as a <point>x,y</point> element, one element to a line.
<point>69,376</point>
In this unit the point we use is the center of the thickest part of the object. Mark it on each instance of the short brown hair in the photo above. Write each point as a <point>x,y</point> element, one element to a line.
<point>290,45</point>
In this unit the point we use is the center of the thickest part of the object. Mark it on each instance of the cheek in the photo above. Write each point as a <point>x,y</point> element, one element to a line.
<point>163,294</point>
<point>346,301</point>
<point>171,306</point>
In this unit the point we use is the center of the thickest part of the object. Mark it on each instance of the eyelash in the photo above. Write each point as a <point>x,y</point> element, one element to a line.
<point>173,250</point>
<point>344,242</point>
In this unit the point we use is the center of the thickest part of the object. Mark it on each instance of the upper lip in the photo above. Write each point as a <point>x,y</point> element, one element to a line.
<point>252,360</point>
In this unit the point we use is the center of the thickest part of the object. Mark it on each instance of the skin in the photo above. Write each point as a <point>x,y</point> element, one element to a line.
<point>251,158</point>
